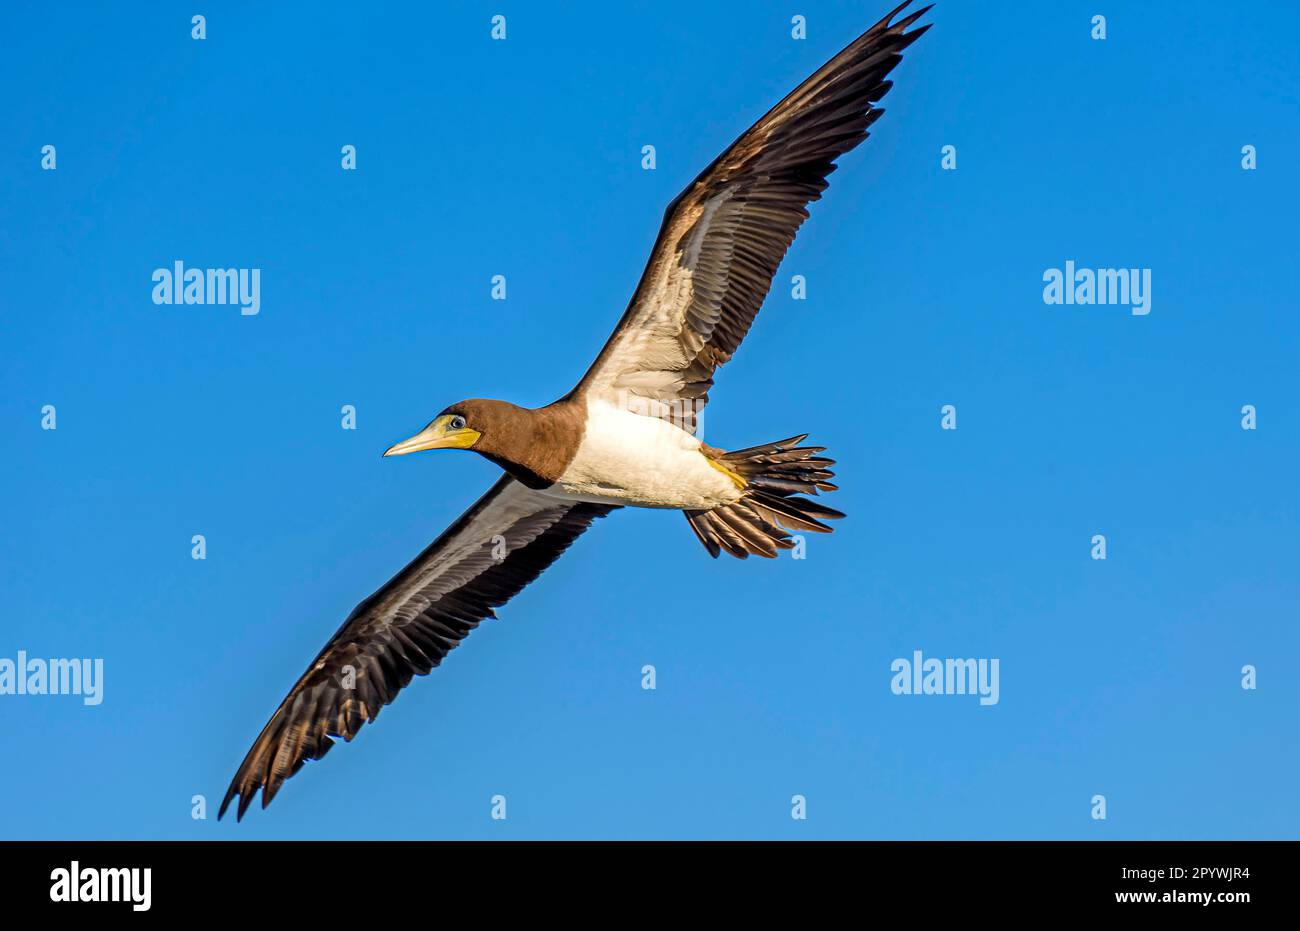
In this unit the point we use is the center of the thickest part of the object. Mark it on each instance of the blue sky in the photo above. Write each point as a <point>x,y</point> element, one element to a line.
<point>523,158</point>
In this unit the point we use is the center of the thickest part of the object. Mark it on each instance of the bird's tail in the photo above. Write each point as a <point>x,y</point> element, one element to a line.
<point>774,475</point>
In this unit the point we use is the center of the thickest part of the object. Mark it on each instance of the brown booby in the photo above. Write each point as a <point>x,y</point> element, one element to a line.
<point>625,436</point>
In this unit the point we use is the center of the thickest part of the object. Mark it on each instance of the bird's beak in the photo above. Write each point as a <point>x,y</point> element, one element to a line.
<point>437,435</point>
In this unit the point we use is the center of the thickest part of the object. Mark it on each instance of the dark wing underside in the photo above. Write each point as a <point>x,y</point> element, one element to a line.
<point>406,628</point>
<point>724,236</point>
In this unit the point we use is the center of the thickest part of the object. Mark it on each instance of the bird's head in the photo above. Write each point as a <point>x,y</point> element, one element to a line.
<point>460,426</point>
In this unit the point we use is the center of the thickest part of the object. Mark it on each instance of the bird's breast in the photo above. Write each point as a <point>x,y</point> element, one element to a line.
<point>640,461</point>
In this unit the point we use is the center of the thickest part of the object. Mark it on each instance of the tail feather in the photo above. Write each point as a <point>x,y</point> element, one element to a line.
<point>790,514</point>
<point>757,535</point>
<point>775,474</point>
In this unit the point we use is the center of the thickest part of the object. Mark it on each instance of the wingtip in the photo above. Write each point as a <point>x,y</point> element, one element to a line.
<point>887,22</point>
<point>240,792</point>
<point>900,27</point>
<point>269,790</point>
<point>918,32</point>
<point>896,10</point>
<point>225,802</point>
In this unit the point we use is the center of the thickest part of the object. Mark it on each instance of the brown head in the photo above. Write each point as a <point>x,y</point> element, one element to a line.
<point>533,445</point>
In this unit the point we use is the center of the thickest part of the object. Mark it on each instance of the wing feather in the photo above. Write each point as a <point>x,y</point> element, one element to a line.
<point>723,237</point>
<point>407,627</point>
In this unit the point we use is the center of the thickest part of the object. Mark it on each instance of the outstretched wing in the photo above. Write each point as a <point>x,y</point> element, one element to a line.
<point>406,628</point>
<point>724,236</point>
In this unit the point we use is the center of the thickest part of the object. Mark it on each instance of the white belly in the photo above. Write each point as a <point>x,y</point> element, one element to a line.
<point>631,459</point>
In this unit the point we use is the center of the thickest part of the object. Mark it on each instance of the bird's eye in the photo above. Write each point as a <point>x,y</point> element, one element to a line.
<point>458,422</point>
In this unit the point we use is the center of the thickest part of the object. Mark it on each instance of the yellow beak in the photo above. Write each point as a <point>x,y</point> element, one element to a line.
<point>437,435</point>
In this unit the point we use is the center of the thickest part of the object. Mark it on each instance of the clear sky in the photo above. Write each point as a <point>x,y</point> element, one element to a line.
<point>1121,678</point>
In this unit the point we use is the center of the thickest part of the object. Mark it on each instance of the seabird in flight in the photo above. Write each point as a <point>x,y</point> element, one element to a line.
<point>624,437</point>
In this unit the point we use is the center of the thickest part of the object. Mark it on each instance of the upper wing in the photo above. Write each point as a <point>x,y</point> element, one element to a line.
<point>405,629</point>
<point>723,237</point>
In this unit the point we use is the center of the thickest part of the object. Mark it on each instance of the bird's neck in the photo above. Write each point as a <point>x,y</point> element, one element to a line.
<point>536,445</point>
